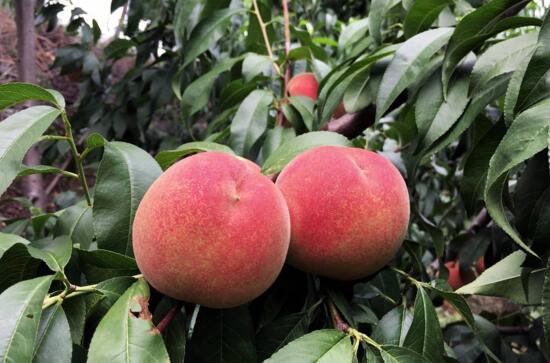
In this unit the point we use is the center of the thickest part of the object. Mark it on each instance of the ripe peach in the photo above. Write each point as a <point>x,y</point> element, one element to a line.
<point>304,84</point>
<point>457,279</point>
<point>212,230</point>
<point>349,210</point>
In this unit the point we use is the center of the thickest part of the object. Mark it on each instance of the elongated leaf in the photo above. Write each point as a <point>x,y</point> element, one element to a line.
<point>508,279</point>
<point>396,354</point>
<point>501,58</point>
<point>38,169</point>
<point>126,333</point>
<point>53,343</point>
<point>511,98</point>
<point>182,17</point>
<point>280,332</point>
<point>359,93</point>
<point>424,336</point>
<point>55,252</point>
<point>378,10</point>
<point>16,264</point>
<point>17,92</point>
<point>223,336</point>
<point>274,138</point>
<point>17,134</point>
<point>527,135</point>
<point>166,158</point>
<point>76,222</point>
<point>472,184</point>
<point>353,32</point>
<point>321,346</point>
<point>7,240</point>
<point>534,86</point>
<point>118,48</point>
<point>20,317</point>
<point>196,95</point>
<point>100,265</point>
<point>124,175</point>
<point>255,64</point>
<point>494,89</point>
<point>286,152</point>
<point>250,121</point>
<point>481,24</point>
<point>448,112</point>
<point>304,106</point>
<point>393,327</point>
<point>409,62</point>
<point>422,15</point>
<point>207,33</point>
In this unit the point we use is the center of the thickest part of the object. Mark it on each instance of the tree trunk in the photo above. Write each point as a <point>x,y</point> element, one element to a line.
<point>26,63</point>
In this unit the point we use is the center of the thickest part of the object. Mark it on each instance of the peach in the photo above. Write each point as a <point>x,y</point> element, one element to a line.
<point>349,211</point>
<point>212,230</point>
<point>304,84</point>
<point>457,279</point>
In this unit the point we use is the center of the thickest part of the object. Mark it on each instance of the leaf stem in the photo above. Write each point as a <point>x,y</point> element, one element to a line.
<point>77,157</point>
<point>265,37</point>
<point>53,138</point>
<point>167,319</point>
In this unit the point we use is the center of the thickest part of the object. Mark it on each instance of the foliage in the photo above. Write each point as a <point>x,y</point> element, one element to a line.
<point>457,99</point>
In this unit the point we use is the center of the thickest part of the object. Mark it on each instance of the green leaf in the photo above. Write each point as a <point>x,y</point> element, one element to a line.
<point>118,48</point>
<point>126,333</point>
<point>182,18</point>
<point>445,114</point>
<point>255,64</point>
<point>501,58</point>
<point>410,61</point>
<point>396,354</point>
<point>472,184</point>
<point>55,252</point>
<point>7,240</point>
<point>508,279</point>
<point>378,10</point>
<point>38,169</point>
<point>166,158</point>
<point>223,336</point>
<point>196,95</point>
<point>546,304</point>
<point>511,98</point>
<point>425,336</point>
<point>353,32</point>
<point>280,332</point>
<point>534,86</point>
<point>17,92</point>
<point>20,317</point>
<point>494,89</point>
<point>123,177</point>
<point>175,334</point>
<point>207,33</point>
<point>100,265</point>
<point>478,26</point>
<point>53,343</point>
<point>321,346</point>
<point>76,222</point>
<point>16,264</point>
<point>274,138</point>
<point>393,327</point>
<point>527,135</point>
<point>286,152</point>
<point>19,132</point>
<point>422,15</point>
<point>304,106</point>
<point>359,93</point>
<point>457,301</point>
<point>250,121</point>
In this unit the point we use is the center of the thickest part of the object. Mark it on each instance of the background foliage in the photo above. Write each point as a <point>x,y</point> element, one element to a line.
<point>454,92</point>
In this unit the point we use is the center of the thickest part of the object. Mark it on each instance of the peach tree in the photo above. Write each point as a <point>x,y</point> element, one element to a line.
<point>452,94</point>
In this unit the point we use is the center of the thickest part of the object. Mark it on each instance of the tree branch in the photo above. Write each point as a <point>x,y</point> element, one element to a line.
<point>337,320</point>
<point>266,38</point>
<point>163,324</point>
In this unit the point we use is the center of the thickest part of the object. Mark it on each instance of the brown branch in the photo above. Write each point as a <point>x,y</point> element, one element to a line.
<point>284,90</point>
<point>337,320</point>
<point>167,319</point>
<point>481,220</point>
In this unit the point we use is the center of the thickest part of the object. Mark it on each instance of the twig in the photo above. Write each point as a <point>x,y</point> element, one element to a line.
<point>163,324</point>
<point>266,38</point>
<point>337,320</point>
<point>76,156</point>
<point>284,89</point>
<point>481,220</point>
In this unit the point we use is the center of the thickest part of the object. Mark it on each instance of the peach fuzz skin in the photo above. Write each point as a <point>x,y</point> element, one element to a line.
<point>349,210</point>
<point>212,230</point>
<point>304,84</point>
